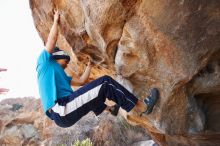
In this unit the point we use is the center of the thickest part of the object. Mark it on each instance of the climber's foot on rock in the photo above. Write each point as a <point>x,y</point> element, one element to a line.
<point>113,109</point>
<point>151,100</point>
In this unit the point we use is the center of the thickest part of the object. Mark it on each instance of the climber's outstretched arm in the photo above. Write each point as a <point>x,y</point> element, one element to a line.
<point>53,35</point>
<point>3,90</point>
<point>3,69</point>
<point>83,78</point>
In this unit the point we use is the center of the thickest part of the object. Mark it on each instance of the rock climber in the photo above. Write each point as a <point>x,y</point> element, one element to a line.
<point>65,106</point>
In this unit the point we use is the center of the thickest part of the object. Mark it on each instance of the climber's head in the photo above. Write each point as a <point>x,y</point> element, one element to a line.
<point>61,57</point>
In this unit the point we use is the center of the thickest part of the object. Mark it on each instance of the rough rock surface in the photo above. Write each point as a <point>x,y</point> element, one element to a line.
<point>26,125</point>
<point>173,45</point>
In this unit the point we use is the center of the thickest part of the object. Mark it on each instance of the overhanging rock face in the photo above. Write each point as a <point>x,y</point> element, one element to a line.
<point>172,45</point>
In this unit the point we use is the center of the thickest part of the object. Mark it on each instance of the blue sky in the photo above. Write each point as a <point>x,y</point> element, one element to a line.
<point>20,46</point>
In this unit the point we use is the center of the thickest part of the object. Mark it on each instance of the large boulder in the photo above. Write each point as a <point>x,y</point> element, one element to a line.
<point>172,45</point>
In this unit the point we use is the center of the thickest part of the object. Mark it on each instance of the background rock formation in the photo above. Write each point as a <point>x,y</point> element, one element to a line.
<point>173,45</point>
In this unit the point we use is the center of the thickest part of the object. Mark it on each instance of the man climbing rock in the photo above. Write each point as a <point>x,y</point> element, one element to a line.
<point>65,106</point>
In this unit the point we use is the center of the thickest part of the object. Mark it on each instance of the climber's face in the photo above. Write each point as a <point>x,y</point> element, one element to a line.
<point>63,62</point>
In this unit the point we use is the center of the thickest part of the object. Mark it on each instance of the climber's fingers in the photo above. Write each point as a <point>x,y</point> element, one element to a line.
<point>3,69</point>
<point>2,90</point>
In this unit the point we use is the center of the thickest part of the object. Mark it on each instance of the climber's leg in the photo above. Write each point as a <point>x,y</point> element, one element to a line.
<point>123,98</point>
<point>117,93</point>
<point>91,97</point>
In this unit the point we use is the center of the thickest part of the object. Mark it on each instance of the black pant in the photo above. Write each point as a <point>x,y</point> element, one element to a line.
<point>91,97</point>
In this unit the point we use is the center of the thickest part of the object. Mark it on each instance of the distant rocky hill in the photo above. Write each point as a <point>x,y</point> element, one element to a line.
<point>23,123</point>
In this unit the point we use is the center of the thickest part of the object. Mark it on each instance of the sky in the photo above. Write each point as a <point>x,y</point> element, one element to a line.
<point>20,46</point>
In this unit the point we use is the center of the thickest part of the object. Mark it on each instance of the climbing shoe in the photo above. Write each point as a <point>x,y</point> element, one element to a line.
<point>151,100</point>
<point>114,110</point>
